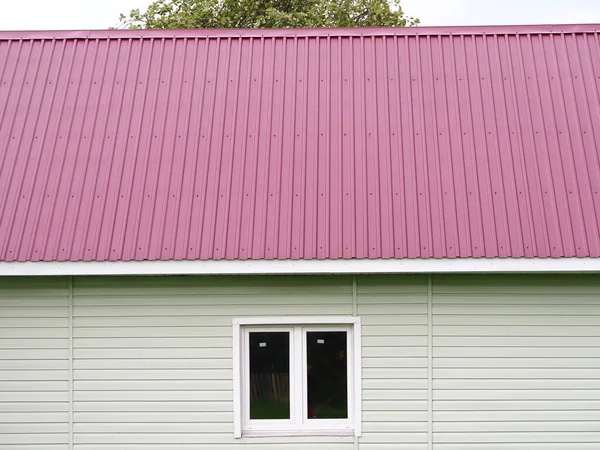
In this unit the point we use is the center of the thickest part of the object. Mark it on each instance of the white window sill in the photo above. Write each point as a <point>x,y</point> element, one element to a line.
<point>297,433</point>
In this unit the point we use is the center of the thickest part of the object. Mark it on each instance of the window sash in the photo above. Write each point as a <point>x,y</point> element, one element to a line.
<point>338,423</point>
<point>246,378</point>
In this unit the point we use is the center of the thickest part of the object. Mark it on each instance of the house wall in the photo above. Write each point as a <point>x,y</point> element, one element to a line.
<point>466,362</point>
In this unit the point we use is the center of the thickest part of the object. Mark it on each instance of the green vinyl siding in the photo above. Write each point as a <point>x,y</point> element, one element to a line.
<point>514,360</point>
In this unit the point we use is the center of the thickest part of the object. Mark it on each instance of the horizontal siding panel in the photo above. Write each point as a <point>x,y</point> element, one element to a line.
<point>398,330</point>
<point>38,396</point>
<point>36,386</point>
<point>33,428</point>
<point>82,323</point>
<point>34,408</point>
<point>34,375</point>
<point>154,417</point>
<point>215,285</point>
<point>516,394</point>
<point>34,417</point>
<point>203,310</point>
<point>394,341</point>
<point>499,383</point>
<point>394,438</point>
<point>524,320</point>
<point>390,362</point>
<point>394,405</point>
<point>153,385</point>
<point>396,298</point>
<point>394,416</point>
<point>419,426</point>
<point>34,311</point>
<point>564,373</point>
<point>519,446</point>
<point>149,364</point>
<point>249,445</point>
<point>517,416</point>
<point>517,405</point>
<point>31,301</point>
<point>536,437</point>
<point>196,439</point>
<point>41,439</point>
<point>394,320</point>
<point>392,308</point>
<point>153,299</point>
<point>366,286</point>
<point>33,364</point>
<point>394,383</point>
<point>570,308</point>
<point>35,354</point>
<point>140,395</point>
<point>159,427</point>
<point>521,426</point>
<point>394,352</point>
<point>516,363</point>
<point>375,421</point>
<point>378,373</point>
<point>396,394</point>
<point>516,352</point>
<point>517,331</point>
<point>33,322</point>
<point>137,374</point>
<point>164,405</point>
<point>154,332</point>
<point>516,341</point>
<point>521,284</point>
<point>34,287</point>
<point>210,342</point>
<point>468,298</point>
<point>160,438</point>
<point>397,446</point>
<point>40,332</point>
<point>152,353</point>
<point>33,343</point>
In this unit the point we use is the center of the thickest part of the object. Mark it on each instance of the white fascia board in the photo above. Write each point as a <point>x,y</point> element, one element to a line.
<point>280,267</point>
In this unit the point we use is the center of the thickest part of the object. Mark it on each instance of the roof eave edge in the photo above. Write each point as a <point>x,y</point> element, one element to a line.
<point>302,267</point>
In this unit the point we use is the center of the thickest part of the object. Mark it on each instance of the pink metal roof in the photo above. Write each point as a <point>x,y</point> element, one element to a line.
<point>361,143</point>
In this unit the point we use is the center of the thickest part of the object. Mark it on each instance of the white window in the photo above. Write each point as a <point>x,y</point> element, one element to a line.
<point>297,376</point>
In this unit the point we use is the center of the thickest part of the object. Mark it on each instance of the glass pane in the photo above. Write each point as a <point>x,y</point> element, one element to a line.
<point>327,374</point>
<point>269,375</point>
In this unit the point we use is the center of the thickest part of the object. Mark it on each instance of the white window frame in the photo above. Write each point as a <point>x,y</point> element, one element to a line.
<point>296,426</point>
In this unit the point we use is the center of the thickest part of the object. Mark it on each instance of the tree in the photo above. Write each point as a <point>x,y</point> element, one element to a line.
<point>267,14</point>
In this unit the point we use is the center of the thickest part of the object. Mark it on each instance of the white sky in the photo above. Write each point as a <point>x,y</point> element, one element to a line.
<point>96,14</point>
<point>502,12</point>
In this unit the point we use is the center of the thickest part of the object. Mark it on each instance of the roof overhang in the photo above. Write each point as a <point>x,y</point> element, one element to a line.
<point>282,267</point>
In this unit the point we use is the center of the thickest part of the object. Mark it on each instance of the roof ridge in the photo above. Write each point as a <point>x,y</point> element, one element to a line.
<point>302,32</point>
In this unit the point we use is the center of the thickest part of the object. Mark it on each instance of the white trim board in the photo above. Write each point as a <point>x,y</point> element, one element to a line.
<point>281,267</point>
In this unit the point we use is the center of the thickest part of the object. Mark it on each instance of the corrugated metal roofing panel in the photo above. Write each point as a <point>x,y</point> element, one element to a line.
<point>278,144</point>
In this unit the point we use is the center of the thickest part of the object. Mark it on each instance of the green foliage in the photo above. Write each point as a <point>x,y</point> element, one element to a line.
<point>267,14</point>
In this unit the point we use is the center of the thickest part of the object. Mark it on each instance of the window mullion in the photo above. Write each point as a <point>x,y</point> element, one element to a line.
<point>298,377</point>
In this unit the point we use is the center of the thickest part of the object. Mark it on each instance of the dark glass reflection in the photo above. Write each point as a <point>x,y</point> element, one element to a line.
<point>269,375</point>
<point>327,377</point>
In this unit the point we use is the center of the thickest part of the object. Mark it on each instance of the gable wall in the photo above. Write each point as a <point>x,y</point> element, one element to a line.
<point>513,360</point>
